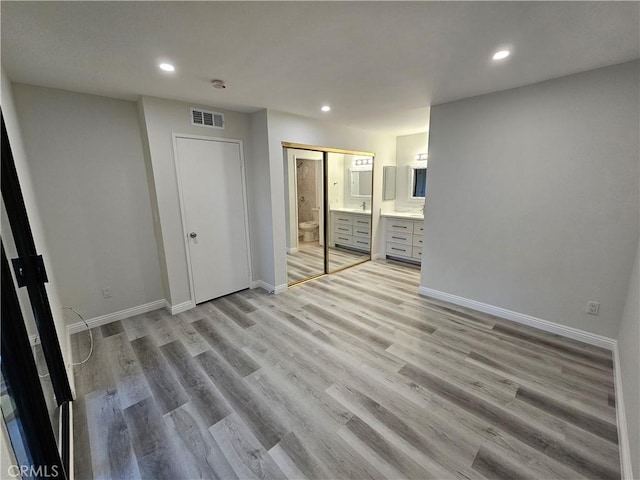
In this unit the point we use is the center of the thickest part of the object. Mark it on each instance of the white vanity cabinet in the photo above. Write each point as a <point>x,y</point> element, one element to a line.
<point>403,238</point>
<point>351,230</point>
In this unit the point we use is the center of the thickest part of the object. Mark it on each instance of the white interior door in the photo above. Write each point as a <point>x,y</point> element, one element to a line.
<point>210,175</point>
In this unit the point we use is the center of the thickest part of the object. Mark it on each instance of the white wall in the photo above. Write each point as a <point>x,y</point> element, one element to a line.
<point>162,118</point>
<point>336,178</point>
<point>629,352</point>
<point>32,205</point>
<point>85,157</point>
<point>284,127</point>
<point>259,201</point>
<point>533,197</point>
<point>407,147</point>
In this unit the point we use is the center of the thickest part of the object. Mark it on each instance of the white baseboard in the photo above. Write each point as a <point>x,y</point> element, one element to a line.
<point>281,288</point>
<point>180,307</point>
<point>263,285</point>
<point>376,256</point>
<point>621,417</point>
<point>292,250</point>
<point>268,287</point>
<point>547,326</point>
<point>112,317</point>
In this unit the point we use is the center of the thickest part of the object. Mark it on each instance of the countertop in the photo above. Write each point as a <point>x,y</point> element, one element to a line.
<point>404,215</point>
<point>352,210</point>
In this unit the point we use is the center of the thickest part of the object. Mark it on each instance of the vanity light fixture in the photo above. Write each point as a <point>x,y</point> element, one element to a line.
<point>421,157</point>
<point>167,67</point>
<point>501,54</point>
<point>326,108</point>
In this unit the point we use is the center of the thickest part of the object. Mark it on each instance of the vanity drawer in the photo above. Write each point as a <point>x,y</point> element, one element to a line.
<point>417,240</point>
<point>341,239</point>
<point>362,220</point>
<point>359,231</point>
<point>400,237</point>
<point>341,229</point>
<point>417,253</point>
<point>398,249</point>
<point>361,243</point>
<point>418,227</point>
<point>395,225</point>
<point>343,218</point>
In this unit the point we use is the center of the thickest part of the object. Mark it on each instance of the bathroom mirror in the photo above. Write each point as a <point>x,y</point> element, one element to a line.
<point>389,182</point>
<point>361,183</point>
<point>418,182</point>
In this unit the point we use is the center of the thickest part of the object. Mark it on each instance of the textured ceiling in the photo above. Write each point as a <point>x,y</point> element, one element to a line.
<point>380,65</point>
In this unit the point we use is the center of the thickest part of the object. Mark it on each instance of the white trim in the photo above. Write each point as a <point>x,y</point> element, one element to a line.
<point>180,307</point>
<point>72,472</point>
<point>376,256</point>
<point>281,288</point>
<point>621,417</point>
<point>547,326</point>
<point>268,287</point>
<point>183,216</point>
<point>292,250</point>
<point>34,339</point>
<point>115,316</point>
<point>263,285</point>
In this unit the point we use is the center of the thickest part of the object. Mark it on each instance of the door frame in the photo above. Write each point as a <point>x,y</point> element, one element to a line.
<point>183,214</point>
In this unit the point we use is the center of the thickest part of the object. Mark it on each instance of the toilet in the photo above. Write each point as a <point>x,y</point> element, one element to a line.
<point>309,230</point>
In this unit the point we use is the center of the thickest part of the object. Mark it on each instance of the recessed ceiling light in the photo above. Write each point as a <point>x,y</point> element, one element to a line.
<point>325,108</point>
<point>501,54</point>
<point>167,67</point>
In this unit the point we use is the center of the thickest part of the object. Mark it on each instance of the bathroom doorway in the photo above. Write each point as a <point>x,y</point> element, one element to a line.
<point>329,193</point>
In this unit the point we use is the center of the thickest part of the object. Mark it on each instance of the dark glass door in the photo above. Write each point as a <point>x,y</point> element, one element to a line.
<point>35,388</point>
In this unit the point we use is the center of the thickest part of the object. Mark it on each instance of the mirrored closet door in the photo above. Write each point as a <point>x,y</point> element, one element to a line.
<point>350,182</point>
<point>305,214</point>
<point>329,195</point>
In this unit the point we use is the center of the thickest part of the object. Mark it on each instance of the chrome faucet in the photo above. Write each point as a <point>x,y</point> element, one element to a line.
<point>364,205</point>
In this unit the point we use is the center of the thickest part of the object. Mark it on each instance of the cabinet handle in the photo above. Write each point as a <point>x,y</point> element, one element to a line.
<point>398,249</point>
<point>399,226</point>
<point>399,238</point>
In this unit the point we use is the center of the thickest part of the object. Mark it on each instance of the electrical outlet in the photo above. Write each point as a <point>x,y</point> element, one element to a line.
<point>106,292</point>
<point>593,308</point>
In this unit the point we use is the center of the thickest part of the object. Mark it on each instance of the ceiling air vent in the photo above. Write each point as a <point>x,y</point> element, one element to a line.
<point>204,118</point>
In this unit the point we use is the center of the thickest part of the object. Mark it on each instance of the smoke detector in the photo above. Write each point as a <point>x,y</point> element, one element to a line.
<point>218,84</point>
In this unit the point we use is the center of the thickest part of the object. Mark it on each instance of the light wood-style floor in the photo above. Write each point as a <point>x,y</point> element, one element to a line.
<point>308,261</point>
<point>349,376</point>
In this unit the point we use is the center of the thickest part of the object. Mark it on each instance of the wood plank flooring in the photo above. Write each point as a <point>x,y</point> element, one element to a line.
<point>351,376</point>
<point>308,262</point>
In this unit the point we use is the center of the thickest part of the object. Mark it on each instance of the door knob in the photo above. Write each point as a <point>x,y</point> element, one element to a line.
<point>193,234</point>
